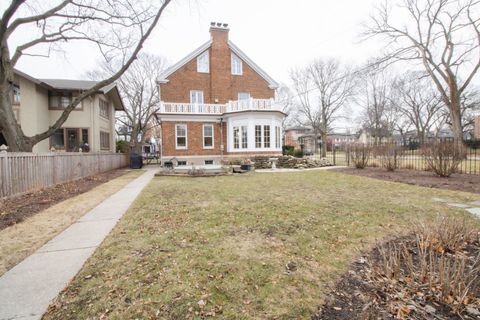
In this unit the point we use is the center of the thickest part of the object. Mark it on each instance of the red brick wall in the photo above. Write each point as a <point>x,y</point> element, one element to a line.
<point>219,84</point>
<point>194,139</point>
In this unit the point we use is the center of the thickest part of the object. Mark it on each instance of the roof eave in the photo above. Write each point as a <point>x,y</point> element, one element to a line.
<point>163,77</point>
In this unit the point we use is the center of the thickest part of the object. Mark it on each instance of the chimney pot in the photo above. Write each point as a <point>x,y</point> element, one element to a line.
<point>225,25</point>
<point>212,24</point>
<point>219,24</point>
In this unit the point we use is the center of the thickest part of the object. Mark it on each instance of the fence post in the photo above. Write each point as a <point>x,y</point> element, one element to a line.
<point>334,158</point>
<point>4,171</point>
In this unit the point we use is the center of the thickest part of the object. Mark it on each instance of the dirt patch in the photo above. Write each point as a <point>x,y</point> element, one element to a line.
<point>16,209</point>
<point>460,182</point>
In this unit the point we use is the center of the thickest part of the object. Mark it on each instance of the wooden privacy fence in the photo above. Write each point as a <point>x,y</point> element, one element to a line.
<point>24,172</point>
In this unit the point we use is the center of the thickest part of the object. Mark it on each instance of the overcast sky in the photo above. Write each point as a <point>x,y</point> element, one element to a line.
<point>276,34</point>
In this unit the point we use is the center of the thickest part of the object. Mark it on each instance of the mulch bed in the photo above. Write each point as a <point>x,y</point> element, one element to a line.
<point>460,182</point>
<point>16,209</point>
<point>357,296</point>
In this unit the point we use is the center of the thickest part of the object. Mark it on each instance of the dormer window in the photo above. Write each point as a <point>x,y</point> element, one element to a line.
<point>236,65</point>
<point>203,64</point>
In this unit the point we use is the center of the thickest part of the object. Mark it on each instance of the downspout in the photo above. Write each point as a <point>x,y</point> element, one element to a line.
<point>222,146</point>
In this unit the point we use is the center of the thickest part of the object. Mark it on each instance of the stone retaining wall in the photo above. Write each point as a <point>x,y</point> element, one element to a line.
<point>290,162</point>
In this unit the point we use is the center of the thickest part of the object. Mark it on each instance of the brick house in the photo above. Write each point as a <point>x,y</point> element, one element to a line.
<point>217,104</point>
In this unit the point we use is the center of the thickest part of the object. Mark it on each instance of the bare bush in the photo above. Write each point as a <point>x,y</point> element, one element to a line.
<point>444,157</point>
<point>437,266</point>
<point>388,156</point>
<point>360,154</point>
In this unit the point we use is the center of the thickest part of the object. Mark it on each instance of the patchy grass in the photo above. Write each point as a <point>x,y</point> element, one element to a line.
<point>22,239</point>
<point>259,246</point>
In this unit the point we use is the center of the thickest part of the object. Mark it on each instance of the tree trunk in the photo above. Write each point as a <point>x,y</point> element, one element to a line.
<point>324,144</point>
<point>10,129</point>
<point>456,119</point>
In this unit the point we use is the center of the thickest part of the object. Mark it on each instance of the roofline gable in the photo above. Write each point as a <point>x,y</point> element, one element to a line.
<point>169,71</point>
<point>272,84</point>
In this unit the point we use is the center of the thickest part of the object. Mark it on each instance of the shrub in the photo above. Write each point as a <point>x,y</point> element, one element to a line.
<point>473,144</point>
<point>298,153</point>
<point>122,146</point>
<point>434,266</point>
<point>288,150</point>
<point>359,155</point>
<point>388,156</point>
<point>444,157</point>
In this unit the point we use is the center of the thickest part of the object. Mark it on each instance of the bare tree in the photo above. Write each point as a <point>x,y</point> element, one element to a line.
<point>417,101</point>
<point>333,87</point>
<point>443,36</point>
<point>138,86</point>
<point>378,115</point>
<point>117,29</point>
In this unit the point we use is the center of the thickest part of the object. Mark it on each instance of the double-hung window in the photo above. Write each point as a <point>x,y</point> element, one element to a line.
<point>203,63</point>
<point>181,136</point>
<point>258,136</point>
<point>266,136</point>
<point>243,96</point>
<point>236,138</point>
<point>277,137</point>
<point>244,137</point>
<point>196,96</point>
<point>237,68</point>
<point>104,109</point>
<point>207,136</point>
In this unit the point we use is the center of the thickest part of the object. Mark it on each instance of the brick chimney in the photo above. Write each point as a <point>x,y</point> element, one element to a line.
<point>219,32</point>
<point>220,63</point>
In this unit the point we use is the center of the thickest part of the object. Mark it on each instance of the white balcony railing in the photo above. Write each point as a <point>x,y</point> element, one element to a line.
<point>231,106</point>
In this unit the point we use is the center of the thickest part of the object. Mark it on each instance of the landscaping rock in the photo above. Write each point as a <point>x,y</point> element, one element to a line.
<point>263,162</point>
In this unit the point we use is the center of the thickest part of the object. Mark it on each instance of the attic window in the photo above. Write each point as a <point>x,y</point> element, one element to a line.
<point>236,65</point>
<point>203,64</point>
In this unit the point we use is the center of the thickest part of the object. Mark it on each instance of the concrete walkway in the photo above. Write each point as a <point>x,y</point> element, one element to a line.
<point>472,207</point>
<point>28,288</point>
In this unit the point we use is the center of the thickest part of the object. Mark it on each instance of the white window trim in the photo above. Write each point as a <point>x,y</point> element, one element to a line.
<point>233,57</point>
<point>213,136</point>
<point>186,137</point>
<point>208,62</point>
<point>203,98</point>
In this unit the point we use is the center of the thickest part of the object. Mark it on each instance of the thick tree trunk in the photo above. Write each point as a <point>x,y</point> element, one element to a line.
<point>456,119</point>
<point>9,127</point>
<point>324,144</point>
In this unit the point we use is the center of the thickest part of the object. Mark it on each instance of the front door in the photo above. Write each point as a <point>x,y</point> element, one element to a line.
<point>72,140</point>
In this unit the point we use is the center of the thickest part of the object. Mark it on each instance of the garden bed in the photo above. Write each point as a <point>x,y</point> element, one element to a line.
<point>461,182</point>
<point>430,274</point>
<point>16,209</point>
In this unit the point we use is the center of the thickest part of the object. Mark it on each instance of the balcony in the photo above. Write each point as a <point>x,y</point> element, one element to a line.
<point>218,109</point>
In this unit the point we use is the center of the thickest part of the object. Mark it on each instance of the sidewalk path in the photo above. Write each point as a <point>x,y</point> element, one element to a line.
<point>28,288</point>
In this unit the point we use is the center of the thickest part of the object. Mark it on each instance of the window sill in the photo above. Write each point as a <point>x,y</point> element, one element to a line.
<point>181,148</point>
<point>209,148</point>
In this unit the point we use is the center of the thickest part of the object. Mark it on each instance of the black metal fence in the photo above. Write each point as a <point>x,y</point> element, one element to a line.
<point>412,155</point>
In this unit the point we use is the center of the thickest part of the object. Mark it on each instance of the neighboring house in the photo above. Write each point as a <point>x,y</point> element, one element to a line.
<point>217,104</point>
<point>38,103</point>
<point>303,138</point>
<point>293,135</point>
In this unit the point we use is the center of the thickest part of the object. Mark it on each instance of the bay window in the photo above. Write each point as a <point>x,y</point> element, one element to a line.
<point>266,136</point>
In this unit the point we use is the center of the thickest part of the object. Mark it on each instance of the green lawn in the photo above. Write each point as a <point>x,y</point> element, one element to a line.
<point>226,241</point>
